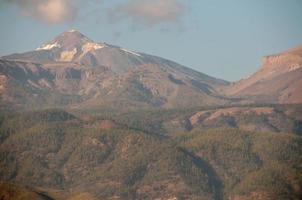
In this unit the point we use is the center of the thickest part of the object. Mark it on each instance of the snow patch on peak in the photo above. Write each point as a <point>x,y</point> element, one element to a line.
<point>49,46</point>
<point>67,56</point>
<point>72,31</point>
<point>131,52</point>
<point>92,46</point>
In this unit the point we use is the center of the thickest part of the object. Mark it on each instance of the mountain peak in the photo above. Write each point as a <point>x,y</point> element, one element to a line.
<point>72,31</point>
<point>67,40</point>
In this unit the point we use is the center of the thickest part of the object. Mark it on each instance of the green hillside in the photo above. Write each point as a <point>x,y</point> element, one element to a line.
<point>140,155</point>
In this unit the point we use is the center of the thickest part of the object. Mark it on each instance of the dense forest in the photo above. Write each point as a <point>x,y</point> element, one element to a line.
<point>201,153</point>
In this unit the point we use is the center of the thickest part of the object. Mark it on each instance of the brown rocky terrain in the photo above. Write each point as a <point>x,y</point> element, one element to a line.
<point>277,81</point>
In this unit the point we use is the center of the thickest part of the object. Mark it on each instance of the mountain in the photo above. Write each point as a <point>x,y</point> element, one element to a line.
<point>72,70</point>
<point>81,120</point>
<point>277,81</point>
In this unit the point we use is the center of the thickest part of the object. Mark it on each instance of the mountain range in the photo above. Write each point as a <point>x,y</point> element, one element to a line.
<point>74,71</point>
<point>82,120</point>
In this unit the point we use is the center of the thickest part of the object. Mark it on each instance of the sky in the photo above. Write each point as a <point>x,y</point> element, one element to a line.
<point>222,38</point>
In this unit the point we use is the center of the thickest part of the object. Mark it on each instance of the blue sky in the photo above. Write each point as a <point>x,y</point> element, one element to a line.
<point>225,39</point>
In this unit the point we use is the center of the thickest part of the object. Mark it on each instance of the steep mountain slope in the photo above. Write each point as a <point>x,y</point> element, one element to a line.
<point>75,71</point>
<point>278,80</point>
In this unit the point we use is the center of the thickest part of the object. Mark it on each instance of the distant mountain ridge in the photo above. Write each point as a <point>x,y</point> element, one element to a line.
<point>83,73</point>
<point>74,71</point>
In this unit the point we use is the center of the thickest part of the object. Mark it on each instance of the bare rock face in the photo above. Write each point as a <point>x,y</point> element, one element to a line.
<point>72,70</point>
<point>277,81</point>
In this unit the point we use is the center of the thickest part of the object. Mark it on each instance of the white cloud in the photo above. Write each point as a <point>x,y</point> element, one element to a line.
<point>139,12</point>
<point>149,12</point>
<point>51,11</point>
